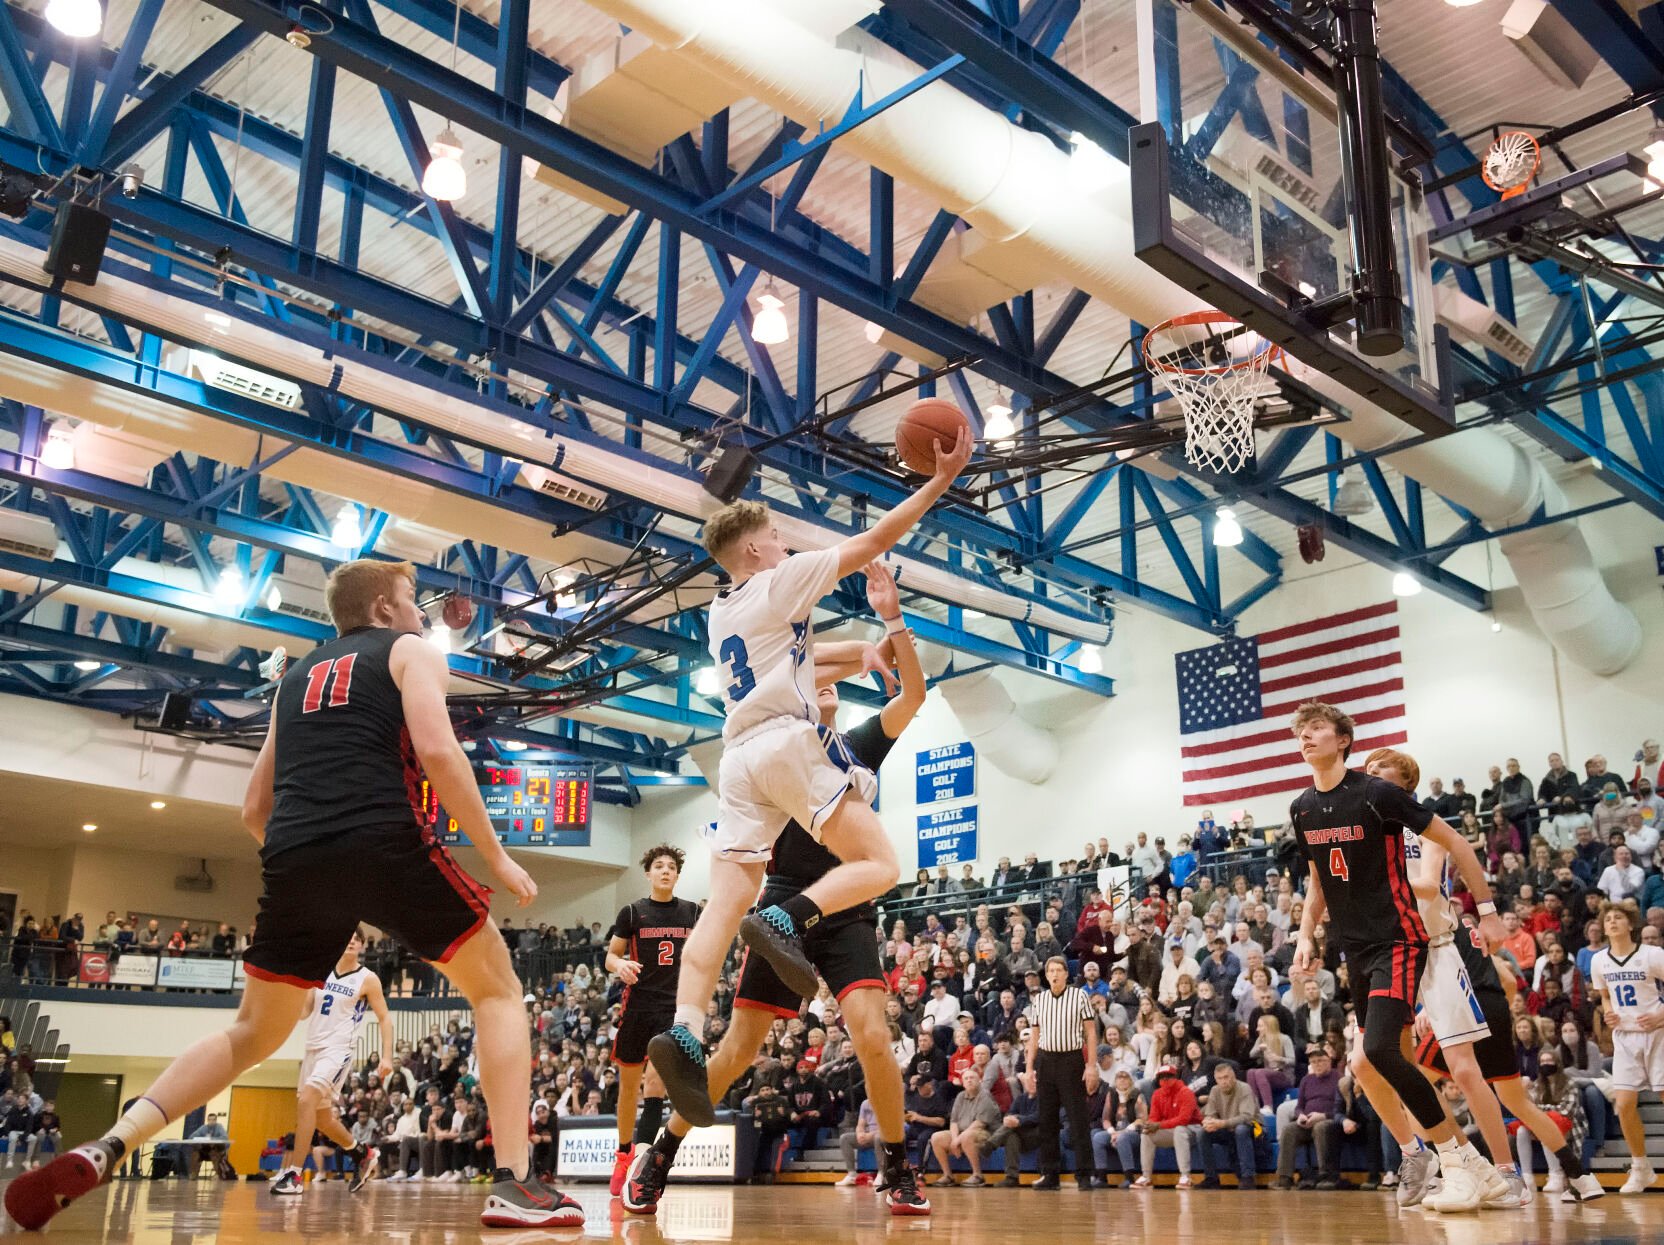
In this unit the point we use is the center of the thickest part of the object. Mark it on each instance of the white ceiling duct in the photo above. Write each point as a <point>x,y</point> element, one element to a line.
<point>1003,737</point>
<point>1013,187</point>
<point>360,376</point>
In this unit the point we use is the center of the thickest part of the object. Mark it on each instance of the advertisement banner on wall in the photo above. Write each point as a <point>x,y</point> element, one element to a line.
<point>95,967</point>
<point>180,973</point>
<point>588,1148</point>
<point>133,969</point>
<point>946,773</point>
<point>947,836</point>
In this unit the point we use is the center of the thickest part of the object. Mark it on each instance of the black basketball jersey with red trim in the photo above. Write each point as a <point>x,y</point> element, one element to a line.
<point>656,933</point>
<point>1354,836</point>
<point>799,861</point>
<point>344,760</point>
<point>1482,974</point>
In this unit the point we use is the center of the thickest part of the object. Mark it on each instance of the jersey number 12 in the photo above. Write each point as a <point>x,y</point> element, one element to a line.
<point>1337,865</point>
<point>336,675</point>
<point>1623,996</point>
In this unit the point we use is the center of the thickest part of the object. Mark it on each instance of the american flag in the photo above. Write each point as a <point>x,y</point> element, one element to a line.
<point>1236,698</point>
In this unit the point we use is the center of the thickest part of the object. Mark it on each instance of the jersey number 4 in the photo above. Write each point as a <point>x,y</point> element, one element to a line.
<point>1337,865</point>
<point>336,675</point>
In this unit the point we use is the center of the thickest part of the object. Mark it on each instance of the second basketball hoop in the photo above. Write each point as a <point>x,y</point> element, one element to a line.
<point>1216,368</point>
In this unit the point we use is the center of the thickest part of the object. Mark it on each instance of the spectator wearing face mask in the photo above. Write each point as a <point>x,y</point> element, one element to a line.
<point>1560,830</point>
<point>1611,811</point>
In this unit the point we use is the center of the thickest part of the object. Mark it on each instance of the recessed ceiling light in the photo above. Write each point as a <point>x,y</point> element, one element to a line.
<point>90,826</point>
<point>158,804</point>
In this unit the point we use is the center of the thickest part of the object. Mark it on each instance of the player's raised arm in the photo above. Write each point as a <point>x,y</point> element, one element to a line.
<point>1439,832</point>
<point>421,673</point>
<point>872,544</point>
<point>885,600</point>
<point>257,800</point>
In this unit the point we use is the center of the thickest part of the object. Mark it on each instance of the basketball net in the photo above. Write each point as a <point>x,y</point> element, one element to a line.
<point>1216,370</point>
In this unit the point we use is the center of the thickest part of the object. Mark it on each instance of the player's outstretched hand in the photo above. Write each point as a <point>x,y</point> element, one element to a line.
<point>1302,964</point>
<point>873,661</point>
<point>516,881</point>
<point>1490,927</point>
<point>1423,1026</point>
<point>881,590</point>
<point>951,460</point>
<point>629,971</point>
<point>384,1070</point>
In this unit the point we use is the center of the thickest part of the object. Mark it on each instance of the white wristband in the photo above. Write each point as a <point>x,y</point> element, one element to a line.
<point>896,625</point>
<point>1487,908</point>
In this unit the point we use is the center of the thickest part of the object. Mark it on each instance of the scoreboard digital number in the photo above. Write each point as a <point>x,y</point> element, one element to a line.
<point>529,805</point>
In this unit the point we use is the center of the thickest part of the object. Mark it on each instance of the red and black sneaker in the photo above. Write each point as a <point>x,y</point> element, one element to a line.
<point>516,1203</point>
<point>620,1169</point>
<point>902,1192</point>
<point>644,1186</point>
<point>34,1197</point>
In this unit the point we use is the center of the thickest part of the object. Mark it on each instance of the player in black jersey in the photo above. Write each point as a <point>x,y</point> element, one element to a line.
<point>842,946</point>
<point>645,953</point>
<point>1488,1067</point>
<point>1350,828</point>
<point>334,795</point>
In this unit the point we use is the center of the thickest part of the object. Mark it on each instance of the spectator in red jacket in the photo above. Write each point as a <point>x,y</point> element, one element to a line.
<point>1097,941</point>
<point>1174,1117</point>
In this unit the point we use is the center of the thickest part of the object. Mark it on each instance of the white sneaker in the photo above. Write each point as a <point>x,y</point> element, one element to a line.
<point>1463,1185</point>
<point>453,1177</point>
<point>1556,1182</point>
<point>1584,1189</point>
<point>848,1182</point>
<point>417,1177</point>
<point>1506,1191</point>
<point>1641,1177</point>
<point>399,1176</point>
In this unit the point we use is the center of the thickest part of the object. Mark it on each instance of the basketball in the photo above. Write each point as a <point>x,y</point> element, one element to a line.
<point>458,612</point>
<point>923,424</point>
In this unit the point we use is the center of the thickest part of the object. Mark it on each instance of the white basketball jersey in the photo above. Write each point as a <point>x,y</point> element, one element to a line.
<point>1634,984</point>
<point>763,644</point>
<point>1439,915</point>
<point>337,1011</point>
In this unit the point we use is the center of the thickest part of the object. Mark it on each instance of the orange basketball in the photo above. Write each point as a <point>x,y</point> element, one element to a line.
<point>923,424</point>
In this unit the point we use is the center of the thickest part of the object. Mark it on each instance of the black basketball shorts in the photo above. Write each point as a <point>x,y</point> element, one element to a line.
<point>398,879</point>
<point>845,955</point>
<point>638,1024</point>
<point>1385,970</point>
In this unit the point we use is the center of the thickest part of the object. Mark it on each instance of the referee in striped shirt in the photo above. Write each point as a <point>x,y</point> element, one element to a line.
<point>1062,1044</point>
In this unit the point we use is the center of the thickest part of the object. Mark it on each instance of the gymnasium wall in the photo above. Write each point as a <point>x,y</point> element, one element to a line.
<point>1474,698</point>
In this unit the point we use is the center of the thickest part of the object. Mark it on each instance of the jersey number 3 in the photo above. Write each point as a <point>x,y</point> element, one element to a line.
<point>336,675</point>
<point>1337,865</point>
<point>734,653</point>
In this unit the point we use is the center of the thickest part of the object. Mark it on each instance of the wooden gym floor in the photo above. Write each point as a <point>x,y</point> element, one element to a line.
<point>192,1212</point>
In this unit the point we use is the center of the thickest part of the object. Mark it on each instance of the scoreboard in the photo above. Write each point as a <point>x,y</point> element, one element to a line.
<point>529,805</point>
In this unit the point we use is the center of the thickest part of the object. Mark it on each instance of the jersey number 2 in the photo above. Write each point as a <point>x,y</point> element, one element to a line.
<point>1337,865</point>
<point>336,675</point>
<point>734,653</point>
<point>329,999</point>
<point>667,953</point>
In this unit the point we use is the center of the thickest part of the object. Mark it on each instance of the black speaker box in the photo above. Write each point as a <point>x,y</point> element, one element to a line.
<point>731,472</point>
<point>79,235</point>
<point>176,711</point>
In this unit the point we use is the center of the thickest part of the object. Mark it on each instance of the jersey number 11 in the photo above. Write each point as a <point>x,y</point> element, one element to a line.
<point>337,675</point>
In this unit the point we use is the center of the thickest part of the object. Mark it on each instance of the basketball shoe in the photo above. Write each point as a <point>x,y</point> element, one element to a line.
<point>516,1203</point>
<point>34,1197</point>
<point>679,1058</point>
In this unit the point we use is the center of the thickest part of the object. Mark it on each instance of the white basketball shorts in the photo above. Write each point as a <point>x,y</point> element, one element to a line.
<point>1448,1000</point>
<point>1638,1059</point>
<point>326,1068</point>
<point>787,769</point>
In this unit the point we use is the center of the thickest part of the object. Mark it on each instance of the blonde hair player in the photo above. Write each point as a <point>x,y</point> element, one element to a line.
<point>335,1010</point>
<point>841,947</point>
<point>331,798</point>
<point>1464,1029</point>
<point>775,767</point>
<point>1630,978</point>
<point>1350,828</point>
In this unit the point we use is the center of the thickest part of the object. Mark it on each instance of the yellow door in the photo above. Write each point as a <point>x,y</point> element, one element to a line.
<point>258,1115</point>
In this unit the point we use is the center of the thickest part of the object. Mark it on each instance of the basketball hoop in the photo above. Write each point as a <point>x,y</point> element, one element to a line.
<point>1511,163</point>
<point>1216,367</point>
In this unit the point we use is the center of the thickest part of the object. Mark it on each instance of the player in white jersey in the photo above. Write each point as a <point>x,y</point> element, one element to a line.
<point>775,764</point>
<point>334,1012</point>
<point>1463,1026</point>
<point>1630,978</point>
